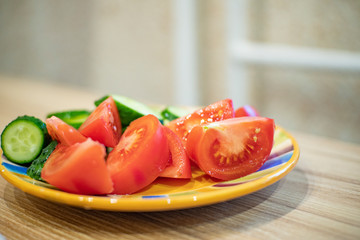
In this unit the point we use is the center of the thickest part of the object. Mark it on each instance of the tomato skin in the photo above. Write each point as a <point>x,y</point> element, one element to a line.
<point>246,111</point>
<point>192,143</point>
<point>217,111</point>
<point>103,124</point>
<point>231,148</point>
<point>79,168</point>
<point>180,166</point>
<point>63,132</point>
<point>140,156</point>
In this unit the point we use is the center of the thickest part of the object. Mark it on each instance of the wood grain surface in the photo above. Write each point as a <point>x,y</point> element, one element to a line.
<point>319,199</point>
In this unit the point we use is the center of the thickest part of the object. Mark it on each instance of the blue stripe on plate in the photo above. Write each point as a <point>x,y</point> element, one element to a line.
<point>277,161</point>
<point>155,196</point>
<point>14,168</point>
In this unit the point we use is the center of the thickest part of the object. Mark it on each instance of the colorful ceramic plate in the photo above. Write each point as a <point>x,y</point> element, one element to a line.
<point>169,194</point>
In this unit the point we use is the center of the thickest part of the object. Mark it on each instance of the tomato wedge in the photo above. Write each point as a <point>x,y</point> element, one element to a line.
<point>103,124</point>
<point>63,132</point>
<point>179,163</point>
<point>212,113</point>
<point>231,148</point>
<point>246,111</point>
<point>141,155</point>
<point>79,168</point>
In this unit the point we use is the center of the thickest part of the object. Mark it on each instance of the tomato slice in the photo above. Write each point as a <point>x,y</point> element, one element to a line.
<point>179,163</point>
<point>79,168</point>
<point>63,132</point>
<point>103,124</point>
<point>231,148</point>
<point>141,155</point>
<point>212,113</point>
<point>246,111</point>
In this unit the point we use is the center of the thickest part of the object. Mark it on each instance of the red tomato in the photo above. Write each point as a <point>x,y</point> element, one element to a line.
<point>103,124</point>
<point>179,166</point>
<point>79,168</point>
<point>212,113</point>
<point>246,111</point>
<point>63,132</point>
<point>141,155</point>
<point>231,148</point>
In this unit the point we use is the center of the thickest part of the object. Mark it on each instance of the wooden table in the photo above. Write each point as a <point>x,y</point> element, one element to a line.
<point>319,199</point>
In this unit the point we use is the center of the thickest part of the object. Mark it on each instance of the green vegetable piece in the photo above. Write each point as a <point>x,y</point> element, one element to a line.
<point>34,170</point>
<point>23,139</point>
<point>74,117</point>
<point>129,109</point>
<point>171,112</point>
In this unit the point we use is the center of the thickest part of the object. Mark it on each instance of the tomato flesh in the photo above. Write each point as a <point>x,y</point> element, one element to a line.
<point>103,124</point>
<point>179,163</point>
<point>246,111</point>
<point>140,156</point>
<point>212,113</point>
<point>231,148</point>
<point>79,168</point>
<point>62,132</point>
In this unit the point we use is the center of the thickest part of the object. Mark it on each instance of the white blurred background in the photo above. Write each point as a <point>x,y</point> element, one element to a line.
<point>295,61</point>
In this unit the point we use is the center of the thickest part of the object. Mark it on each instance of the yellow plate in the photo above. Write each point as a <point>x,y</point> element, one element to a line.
<point>169,194</point>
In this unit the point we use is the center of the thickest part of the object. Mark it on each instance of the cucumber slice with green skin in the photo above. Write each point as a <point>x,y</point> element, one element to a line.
<point>129,109</point>
<point>34,170</point>
<point>171,112</point>
<point>23,139</point>
<point>74,118</point>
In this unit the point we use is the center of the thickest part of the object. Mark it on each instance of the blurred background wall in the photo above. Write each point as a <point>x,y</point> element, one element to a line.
<point>179,52</point>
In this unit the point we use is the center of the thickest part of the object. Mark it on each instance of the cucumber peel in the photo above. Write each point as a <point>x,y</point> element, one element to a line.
<point>73,117</point>
<point>34,170</point>
<point>129,109</point>
<point>171,112</point>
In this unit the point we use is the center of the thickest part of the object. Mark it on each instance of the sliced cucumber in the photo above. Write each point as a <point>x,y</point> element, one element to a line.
<point>34,170</point>
<point>171,112</point>
<point>23,139</point>
<point>129,109</point>
<point>74,118</point>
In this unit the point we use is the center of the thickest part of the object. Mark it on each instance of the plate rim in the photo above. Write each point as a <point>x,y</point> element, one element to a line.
<point>136,203</point>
